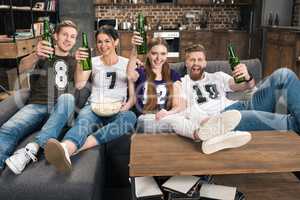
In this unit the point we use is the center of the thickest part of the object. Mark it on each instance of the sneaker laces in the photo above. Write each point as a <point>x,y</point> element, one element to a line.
<point>30,154</point>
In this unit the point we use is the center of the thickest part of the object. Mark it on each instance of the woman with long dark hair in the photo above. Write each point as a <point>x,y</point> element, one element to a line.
<point>106,116</point>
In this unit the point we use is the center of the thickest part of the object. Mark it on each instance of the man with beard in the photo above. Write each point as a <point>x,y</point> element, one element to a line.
<point>205,95</point>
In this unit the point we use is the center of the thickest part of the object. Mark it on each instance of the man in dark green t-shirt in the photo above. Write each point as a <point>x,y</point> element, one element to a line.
<point>51,102</point>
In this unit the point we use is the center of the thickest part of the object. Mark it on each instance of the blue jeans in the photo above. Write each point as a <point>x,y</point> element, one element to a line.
<point>29,119</point>
<point>259,112</point>
<point>105,129</point>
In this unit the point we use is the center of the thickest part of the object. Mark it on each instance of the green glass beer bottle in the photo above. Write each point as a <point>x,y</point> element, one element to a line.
<point>87,63</point>
<point>47,36</point>
<point>142,49</point>
<point>234,61</point>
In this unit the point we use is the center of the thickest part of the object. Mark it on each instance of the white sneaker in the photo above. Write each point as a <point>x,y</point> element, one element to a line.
<point>218,125</point>
<point>56,153</point>
<point>18,161</point>
<point>231,139</point>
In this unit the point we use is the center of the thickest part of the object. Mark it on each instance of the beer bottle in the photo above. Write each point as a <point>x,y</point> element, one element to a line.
<point>87,63</point>
<point>234,61</point>
<point>142,49</point>
<point>47,36</point>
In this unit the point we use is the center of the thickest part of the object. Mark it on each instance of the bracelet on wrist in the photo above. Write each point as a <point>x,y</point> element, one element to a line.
<point>250,77</point>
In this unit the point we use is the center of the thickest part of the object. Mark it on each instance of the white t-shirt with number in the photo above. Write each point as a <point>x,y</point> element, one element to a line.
<point>208,95</point>
<point>109,83</point>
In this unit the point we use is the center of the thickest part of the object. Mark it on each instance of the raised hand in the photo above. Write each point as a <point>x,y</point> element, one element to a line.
<point>136,39</point>
<point>241,71</point>
<point>44,49</point>
<point>81,54</point>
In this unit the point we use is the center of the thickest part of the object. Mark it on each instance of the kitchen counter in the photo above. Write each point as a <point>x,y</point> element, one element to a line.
<point>289,28</point>
<point>201,30</point>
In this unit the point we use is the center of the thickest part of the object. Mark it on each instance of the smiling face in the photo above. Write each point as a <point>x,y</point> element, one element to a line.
<point>158,56</point>
<point>195,63</point>
<point>65,39</point>
<point>106,45</point>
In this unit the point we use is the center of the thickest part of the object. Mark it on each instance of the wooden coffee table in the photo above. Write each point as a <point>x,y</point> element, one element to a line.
<point>172,155</point>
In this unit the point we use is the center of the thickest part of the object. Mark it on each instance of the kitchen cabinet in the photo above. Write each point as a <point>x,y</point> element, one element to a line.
<point>193,2</point>
<point>216,42</point>
<point>216,2</point>
<point>282,50</point>
<point>103,2</point>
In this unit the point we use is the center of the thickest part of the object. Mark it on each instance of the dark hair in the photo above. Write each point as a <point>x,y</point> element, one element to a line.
<point>151,104</point>
<point>194,48</point>
<point>65,23</point>
<point>108,30</point>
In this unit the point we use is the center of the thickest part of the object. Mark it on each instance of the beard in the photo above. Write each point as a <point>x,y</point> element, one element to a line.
<point>196,75</point>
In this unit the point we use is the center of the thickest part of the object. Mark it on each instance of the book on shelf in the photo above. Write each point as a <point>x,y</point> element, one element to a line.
<point>4,6</point>
<point>38,28</point>
<point>5,38</point>
<point>23,34</point>
<point>50,5</point>
<point>21,7</point>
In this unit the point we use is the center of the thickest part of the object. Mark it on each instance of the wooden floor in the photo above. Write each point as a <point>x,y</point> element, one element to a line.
<point>281,186</point>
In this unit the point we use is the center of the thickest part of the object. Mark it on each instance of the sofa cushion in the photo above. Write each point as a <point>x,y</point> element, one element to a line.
<point>40,180</point>
<point>12,104</point>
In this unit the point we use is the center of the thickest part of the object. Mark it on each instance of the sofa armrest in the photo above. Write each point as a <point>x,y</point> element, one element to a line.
<point>12,104</point>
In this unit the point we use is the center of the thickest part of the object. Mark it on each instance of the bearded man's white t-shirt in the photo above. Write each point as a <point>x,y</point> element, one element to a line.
<point>208,94</point>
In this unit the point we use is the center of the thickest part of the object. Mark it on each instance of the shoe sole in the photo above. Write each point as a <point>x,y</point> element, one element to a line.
<point>55,155</point>
<point>232,139</point>
<point>12,167</point>
<point>229,120</point>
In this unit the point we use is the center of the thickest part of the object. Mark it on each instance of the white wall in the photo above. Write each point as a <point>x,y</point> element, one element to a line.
<point>284,9</point>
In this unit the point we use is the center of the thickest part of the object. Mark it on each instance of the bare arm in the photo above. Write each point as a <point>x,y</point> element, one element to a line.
<point>132,74</point>
<point>43,50</point>
<point>178,103</point>
<point>81,76</point>
<point>241,71</point>
<point>131,99</point>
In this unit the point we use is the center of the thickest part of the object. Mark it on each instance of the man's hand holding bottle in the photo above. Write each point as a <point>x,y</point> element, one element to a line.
<point>241,71</point>
<point>81,54</point>
<point>44,49</point>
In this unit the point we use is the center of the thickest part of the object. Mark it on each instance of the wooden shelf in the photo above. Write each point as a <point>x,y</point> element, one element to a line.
<point>24,9</point>
<point>11,50</point>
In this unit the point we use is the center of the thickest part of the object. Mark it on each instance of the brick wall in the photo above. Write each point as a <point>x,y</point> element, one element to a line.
<point>170,15</point>
<point>296,17</point>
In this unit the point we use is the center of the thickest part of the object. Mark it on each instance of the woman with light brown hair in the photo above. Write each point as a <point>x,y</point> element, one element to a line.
<point>157,86</point>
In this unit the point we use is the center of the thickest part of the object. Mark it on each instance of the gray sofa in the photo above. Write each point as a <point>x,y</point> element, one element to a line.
<point>42,181</point>
<point>100,173</point>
